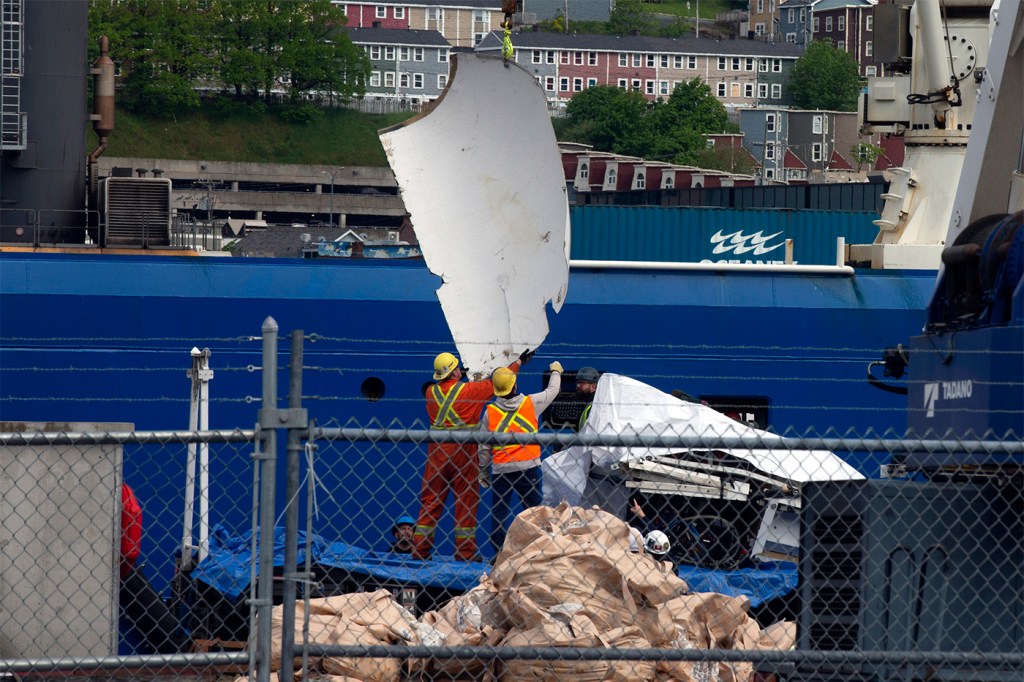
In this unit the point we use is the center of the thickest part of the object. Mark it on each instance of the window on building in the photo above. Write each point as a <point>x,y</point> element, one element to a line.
<point>652,61</point>
<point>840,44</point>
<point>759,29</point>
<point>375,79</point>
<point>591,82</point>
<point>664,61</point>
<point>536,57</point>
<point>417,81</point>
<point>649,87</point>
<point>691,62</point>
<point>612,177</point>
<point>641,181</point>
<point>549,83</point>
<point>870,71</point>
<point>403,54</point>
<point>442,56</point>
<point>481,16</point>
<point>722,63</point>
<point>816,124</point>
<point>816,24</point>
<point>668,180</point>
<point>417,54</point>
<point>623,84</point>
<point>584,171</point>
<point>760,6</point>
<point>382,12</point>
<point>790,37</point>
<point>433,15</point>
<point>841,23</point>
<point>638,59</point>
<point>776,91</point>
<point>869,23</point>
<point>816,151</point>
<point>389,53</point>
<point>769,150</point>
<point>764,65</point>
<point>563,84</point>
<point>869,48</point>
<point>677,61</point>
<point>721,90</point>
<point>403,80</point>
<point>791,15</point>
<point>762,90</point>
<point>769,123</point>
<point>344,10</point>
<point>577,58</point>
<point>769,173</point>
<point>375,52</point>
<point>399,13</point>
<point>563,57</point>
<point>623,59</point>
<point>736,62</point>
<point>577,85</point>
<point>442,80</point>
<point>663,88</point>
<point>550,56</point>
<point>748,64</point>
<point>777,65</point>
<point>592,58</point>
<point>803,15</point>
<point>828,23</point>
<point>748,90</point>
<point>636,84</point>
<point>389,79</point>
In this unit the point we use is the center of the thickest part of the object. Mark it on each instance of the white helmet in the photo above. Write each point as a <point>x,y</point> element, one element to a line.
<point>656,543</point>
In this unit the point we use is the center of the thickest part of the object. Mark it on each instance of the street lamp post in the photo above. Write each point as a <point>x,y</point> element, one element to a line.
<point>331,218</point>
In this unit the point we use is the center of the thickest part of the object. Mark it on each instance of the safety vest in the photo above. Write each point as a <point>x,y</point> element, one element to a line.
<point>523,420</point>
<point>447,418</point>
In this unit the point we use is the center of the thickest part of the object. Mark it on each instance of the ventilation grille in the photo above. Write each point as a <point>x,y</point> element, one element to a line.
<point>137,211</point>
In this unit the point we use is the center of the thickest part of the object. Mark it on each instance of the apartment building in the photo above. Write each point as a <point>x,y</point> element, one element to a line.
<point>742,73</point>
<point>463,23</point>
<point>792,144</point>
<point>849,24</point>
<point>407,64</point>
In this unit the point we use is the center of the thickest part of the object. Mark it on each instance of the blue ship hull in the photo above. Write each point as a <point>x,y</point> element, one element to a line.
<point>102,338</point>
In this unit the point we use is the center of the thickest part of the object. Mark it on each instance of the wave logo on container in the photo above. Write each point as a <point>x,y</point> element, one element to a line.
<point>740,243</point>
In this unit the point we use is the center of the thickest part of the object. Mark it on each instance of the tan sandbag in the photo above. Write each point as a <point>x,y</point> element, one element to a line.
<point>571,555</point>
<point>781,635</point>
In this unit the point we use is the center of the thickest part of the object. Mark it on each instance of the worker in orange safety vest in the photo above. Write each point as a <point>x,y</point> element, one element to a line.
<point>453,405</point>
<point>516,466</point>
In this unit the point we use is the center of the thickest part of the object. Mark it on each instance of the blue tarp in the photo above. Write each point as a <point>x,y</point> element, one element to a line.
<point>226,569</point>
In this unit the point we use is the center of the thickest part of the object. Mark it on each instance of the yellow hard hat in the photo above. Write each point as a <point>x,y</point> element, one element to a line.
<point>444,365</point>
<point>504,381</point>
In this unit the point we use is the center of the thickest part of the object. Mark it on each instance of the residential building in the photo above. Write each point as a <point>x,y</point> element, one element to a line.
<point>849,24</point>
<point>741,73</point>
<point>793,144</point>
<point>796,22</point>
<point>763,18</point>
<point>532,11</point>
<point>406,64</point>
<point>463,23</point>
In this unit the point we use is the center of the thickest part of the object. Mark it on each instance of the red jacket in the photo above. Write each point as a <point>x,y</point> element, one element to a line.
<point>131,529</point>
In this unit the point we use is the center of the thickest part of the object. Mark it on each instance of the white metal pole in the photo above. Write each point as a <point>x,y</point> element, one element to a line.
<point>205,376</point>
<point>190,464</point>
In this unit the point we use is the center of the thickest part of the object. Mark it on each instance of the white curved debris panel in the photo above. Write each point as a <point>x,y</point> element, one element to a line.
<point>482,179</point>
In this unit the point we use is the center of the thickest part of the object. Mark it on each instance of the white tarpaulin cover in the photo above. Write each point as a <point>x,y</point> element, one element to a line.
<point>626,406</point>
<point>482,178</point>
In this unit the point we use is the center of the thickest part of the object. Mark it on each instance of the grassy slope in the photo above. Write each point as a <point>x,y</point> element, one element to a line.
<point>340,137</point>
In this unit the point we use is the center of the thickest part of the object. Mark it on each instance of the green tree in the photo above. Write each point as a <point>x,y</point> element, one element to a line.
<point>610,119</point>
<point>825,77</point>
<point>629,16</point>
<point>865,153</point>
<point>681,123</point>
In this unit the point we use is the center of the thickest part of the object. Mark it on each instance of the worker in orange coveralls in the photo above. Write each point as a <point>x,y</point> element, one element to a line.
<point>453,405</point>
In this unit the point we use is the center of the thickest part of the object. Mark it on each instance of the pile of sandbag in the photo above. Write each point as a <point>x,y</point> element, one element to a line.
<point>564,578</point>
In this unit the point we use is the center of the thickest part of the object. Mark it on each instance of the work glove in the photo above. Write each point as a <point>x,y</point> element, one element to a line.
<point>485,478</point>
<point>556,366</point>
<point>525,356</point>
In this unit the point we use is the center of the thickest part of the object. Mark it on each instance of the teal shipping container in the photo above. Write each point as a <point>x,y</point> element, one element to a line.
<point>703,235</point>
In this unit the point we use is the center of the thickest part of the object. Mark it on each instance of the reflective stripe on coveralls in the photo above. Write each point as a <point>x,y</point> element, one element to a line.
<point>446,416</point>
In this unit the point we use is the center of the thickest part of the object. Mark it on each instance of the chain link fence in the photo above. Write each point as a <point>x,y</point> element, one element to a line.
<point>660,540</point>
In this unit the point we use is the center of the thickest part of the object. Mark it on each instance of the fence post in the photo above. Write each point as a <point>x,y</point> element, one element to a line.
<point>291,513</point>
<point>265,584</point>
